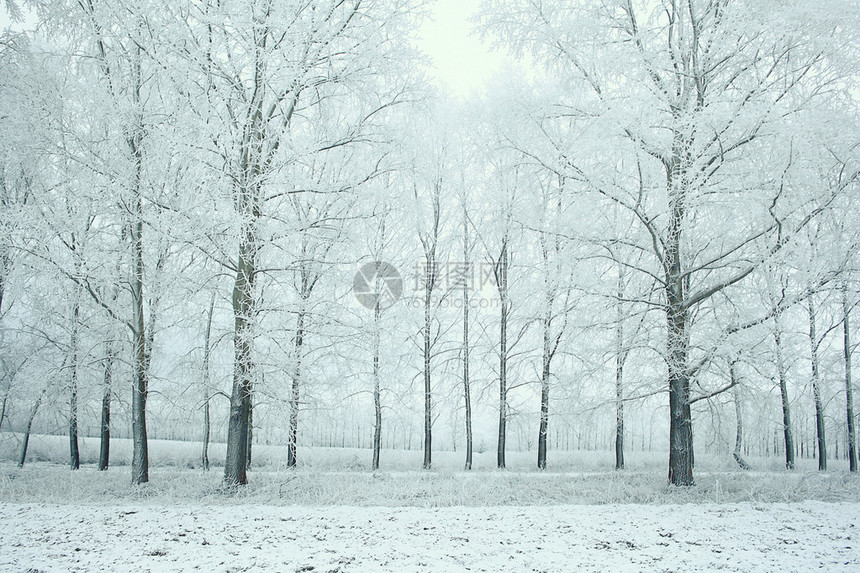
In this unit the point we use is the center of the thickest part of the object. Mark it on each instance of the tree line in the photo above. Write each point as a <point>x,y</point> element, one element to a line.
<point>664,208</point>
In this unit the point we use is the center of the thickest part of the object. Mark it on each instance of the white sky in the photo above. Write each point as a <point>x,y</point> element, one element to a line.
<point>460,61</point>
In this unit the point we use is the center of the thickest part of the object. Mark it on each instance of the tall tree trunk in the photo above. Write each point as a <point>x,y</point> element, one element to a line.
<point>783,392</point>
<point>207,357</point>
<point>249,446</point>
<point>816,389</point>
<point>680,179</point>
<point>739,436</point>
<point>107,390</point>
<point>429,242</point>
<point>140,450</point>
<point>4,271</point>
<point>502,283</point>
<point>849,390</point>
<point>620,358</point>
<point>467,390</point>
<point>26,442</point>
<point>236,463</point>
<point>294,391</point>
<point>619,391</point>
<point>207,425</point>
<point>246,195</point>
<point>377,402</point>
<point>680,426</point>
<point>428,413</point>
<point>678,337</point>
<point>74,451</point>
<point>546,365</point>
<point>544,414</point>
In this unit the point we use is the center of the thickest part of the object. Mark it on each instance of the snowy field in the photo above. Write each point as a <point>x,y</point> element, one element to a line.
<point>705,537</point>
<point>333,514</point>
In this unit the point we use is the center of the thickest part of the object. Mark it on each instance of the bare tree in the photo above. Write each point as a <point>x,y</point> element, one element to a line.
<point>696,57</point>
<point>25,442</point>
<point>107,393</point>
<point>72,367</point>
<point>500,263</point>
<point>268,123</point>
<point>783,392</point>
<point>429,237</point>
<point>849,390</point>
<point>207,382</point>
<point>557,287</point>
<point>814,343</point>
<point>467,287</point>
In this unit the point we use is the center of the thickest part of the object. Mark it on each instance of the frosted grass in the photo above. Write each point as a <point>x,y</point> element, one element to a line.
<point>335,476</point>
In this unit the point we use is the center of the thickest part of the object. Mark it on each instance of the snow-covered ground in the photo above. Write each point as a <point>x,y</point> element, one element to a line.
<point>132,537</point>
<point>333,514</point>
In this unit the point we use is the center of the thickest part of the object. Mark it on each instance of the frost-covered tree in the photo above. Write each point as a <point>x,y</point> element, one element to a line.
<point>682,113</point>
<point>279,84</point>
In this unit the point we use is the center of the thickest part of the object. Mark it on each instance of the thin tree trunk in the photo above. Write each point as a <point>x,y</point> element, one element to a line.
<point>207,357</point>
<point>739,436</point>
<point>619,391</point>
<point>294,391</point>
<point>3,408</point>
<point>467,391</point>
<point>428,416</point>
<point>502,283</point>
<point>786,405</point>
<point>620,358</point>
<point>816,389</point>
<point>429,243</point>
<point>25,444</point>
<point>377,402</point>
<point>5,263</point>
<point>380,289</point>
<point>544,415</point>
<point>204,458</point>
<point>545,370</point>
<point>107,389</point>
<point>849,390</point>
<point>74,451</point>
<point>250,444</point>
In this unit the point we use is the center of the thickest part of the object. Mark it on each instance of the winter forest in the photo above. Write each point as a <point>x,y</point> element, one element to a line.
<point>265,238</point>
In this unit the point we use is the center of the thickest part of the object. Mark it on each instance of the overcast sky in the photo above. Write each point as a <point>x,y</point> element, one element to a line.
<point>460,61</point>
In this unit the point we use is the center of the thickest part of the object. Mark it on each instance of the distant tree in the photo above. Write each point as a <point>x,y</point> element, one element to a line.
<point>849,389</point>
<point>467,286</point>
<point>25,442</point>
<point>429,234</point>
<point>557,288</point>
<point>815,344</point>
